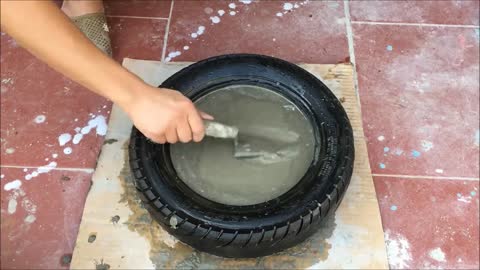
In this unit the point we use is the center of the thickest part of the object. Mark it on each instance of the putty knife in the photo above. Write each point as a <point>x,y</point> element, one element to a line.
<point>268,144</point>
<point>219,130</point>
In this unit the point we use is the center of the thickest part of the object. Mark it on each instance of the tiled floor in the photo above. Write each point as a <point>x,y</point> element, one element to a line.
<point>311,34</point>
<point>40,221</point>
<point>137,38</point>
<point>429,224</point>
<point>418,80</point>
<point>420,98</point>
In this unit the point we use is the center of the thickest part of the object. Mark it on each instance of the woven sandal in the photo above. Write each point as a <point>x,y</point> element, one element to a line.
<point>94,26</point>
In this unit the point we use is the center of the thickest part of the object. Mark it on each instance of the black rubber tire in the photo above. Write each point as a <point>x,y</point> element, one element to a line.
<point>262,229</point>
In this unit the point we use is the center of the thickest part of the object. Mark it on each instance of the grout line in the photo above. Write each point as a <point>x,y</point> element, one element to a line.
<point>86,170</point>
<point>351,49</point>
<point>427,177</point>
<point>416,24</point>
<point>167,29</point>
<point>348,26</point>
<point>136,17</point>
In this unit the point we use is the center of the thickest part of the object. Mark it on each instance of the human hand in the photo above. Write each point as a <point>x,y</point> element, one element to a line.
<point>165,115</point>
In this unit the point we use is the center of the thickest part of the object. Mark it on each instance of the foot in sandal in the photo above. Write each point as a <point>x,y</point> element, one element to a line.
<point>89,17</point>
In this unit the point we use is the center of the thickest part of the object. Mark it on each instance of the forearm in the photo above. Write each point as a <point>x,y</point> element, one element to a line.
<point>43,29</point>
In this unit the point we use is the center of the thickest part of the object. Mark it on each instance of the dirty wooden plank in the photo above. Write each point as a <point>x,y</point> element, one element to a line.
<point>126,237</point>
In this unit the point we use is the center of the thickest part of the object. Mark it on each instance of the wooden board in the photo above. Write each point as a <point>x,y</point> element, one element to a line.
<point>116,230</point>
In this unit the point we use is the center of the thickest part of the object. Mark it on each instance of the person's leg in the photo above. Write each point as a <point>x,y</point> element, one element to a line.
<point>75,8</point>
<point>89,17</point>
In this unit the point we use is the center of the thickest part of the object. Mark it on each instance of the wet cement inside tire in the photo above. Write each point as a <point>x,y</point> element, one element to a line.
<point>266,120</point>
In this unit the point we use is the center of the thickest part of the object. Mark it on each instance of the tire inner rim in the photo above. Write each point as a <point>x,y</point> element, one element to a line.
<point>265,119</point>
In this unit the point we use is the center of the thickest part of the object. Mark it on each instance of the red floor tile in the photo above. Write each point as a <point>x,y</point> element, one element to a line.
<point>142,8</point>
<point>419,95</point>
<point>39,221</point>
<point>37,106</point>
<point>313,32</point>
<point>137,38</point>
<point>430,224</point>
<point>437,12</point>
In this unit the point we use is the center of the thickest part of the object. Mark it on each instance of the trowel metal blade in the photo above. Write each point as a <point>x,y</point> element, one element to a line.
<point>244,150</point>
<point>267,144</point>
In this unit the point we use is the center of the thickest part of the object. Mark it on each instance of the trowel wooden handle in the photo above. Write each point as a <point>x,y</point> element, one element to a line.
<point>219,130</point>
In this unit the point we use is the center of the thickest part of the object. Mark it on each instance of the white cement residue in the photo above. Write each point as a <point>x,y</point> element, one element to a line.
<point>15,184</point>
<point>40,119</point>
<point>77,138</point>
<point>201,30</point>
<point>232,13</point>
<point>208,10</point>
<point>67,150</point>
<point>398,251</point>
<point>221,12</point>
<point>7,81</point>
<point>186,48</point>
<point>43,169</point>
<point>172,55</point>
<point>2,176</point>
<point>10,150</point>
<point>437,254</point>
<point>279,14</point>
<point>464,199</point>
<point>30,219</point>
<point>29,206</point>
<point>246,2</point>
<point>287,6</point>
<point>12,200</point>
<point>64,138</point>
<point>426,145</point>
<point>215,19</point>
<point>381,138</point>
<point>12,205</point>
<point>232,5</point>
<point>439,170</point>
<point>98,123</point>
<point>54,155</point>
